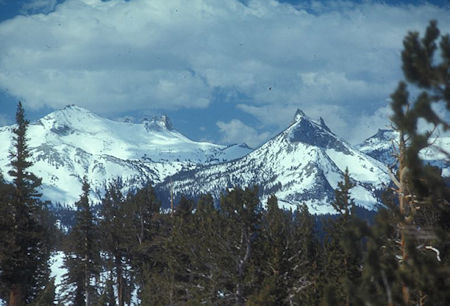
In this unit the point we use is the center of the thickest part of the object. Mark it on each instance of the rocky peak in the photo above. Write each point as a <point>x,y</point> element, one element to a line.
<point>323,124</point>
<point>158,123</point>
<point>307,131</point>
<point>299,114</point>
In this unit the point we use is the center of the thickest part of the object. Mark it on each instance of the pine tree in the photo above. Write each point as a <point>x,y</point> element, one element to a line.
<point>107,298</point>
<point>25,251</point>
<point>414,270</point>
<point>82,254</point>
<point>6,224</point>
<point>305,259</point>
<point>115,228</point>
<point>343,203</point>
<point>208,252</point>
<point>243,212</point>
<point>343,248</point>
<point>422,193</point>
<point>47,296</point>
<point>141,212</point>
<point>273,256</point>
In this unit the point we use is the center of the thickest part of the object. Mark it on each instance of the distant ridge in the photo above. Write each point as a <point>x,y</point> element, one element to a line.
<point>72,142</point>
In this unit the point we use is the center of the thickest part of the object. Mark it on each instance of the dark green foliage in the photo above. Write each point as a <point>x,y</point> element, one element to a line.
<point>116,229</point>
<point>287,257</point>
<point>25,182</point>
<point>107,298</point>
<point>343,249</point>
<point>343,203</point>
<point>47,296</point>
<point>274,264</point>
<point>6,224</point>
<point>432,79</point>
<point>243,212</point>
<point>82,259</point>
<point>402,265</point>
<point>141,211</point>
<point>24,247</point>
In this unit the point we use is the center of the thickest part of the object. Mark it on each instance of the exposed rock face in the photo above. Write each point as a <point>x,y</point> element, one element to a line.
<point>303,164</point>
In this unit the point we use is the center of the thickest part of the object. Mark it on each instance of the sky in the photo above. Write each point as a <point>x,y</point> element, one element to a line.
<point>224,71</point>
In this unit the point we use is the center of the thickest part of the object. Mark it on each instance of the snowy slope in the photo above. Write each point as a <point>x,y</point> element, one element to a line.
<point>303,164</point>
<point>383,144</point>
<point>73,142</point>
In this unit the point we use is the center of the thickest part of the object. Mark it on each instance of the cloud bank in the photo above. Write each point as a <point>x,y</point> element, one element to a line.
<point>236,131</point>
<point>338,60</point>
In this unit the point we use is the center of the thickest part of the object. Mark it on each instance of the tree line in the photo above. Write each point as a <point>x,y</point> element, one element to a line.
<point>242,252</point>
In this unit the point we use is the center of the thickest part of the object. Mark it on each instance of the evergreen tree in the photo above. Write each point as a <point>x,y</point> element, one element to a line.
<point>305,260</point>
<point>207,255</point>
<point>115,228</point>
<point>107,298</point>
<point>343,203</point>
<point>47,296</point>
<point>179,251</point>
<point>243,212</point>
<point>142,217</point>
<point>168,270</point>
<point>272,256</point>
<point>344,249</point>
<point>6,224</point>
<point>82,254</point>
<point>274,236</point>
<point>414,270</point>
<point>24,249</point>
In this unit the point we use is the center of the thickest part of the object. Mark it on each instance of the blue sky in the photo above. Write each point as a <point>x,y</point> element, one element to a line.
<point>224,71</point>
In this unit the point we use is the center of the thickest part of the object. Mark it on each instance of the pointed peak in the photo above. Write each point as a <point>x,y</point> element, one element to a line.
<point>323,124</point>
<point>299,114</point>
<point>158,123</point>
<point>385,134</point>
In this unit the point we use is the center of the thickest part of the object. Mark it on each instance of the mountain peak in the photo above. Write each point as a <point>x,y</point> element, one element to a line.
<point>299,114</point>
<point>158,123</point>
<point>73,108</point>
<point>323,124</point>
<point>310,132</point>
<point>70,114</point>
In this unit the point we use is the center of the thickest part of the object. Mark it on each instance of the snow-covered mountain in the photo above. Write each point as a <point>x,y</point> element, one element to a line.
<point>70,143</point>
<point>303,164</point>
<point>383,145</point>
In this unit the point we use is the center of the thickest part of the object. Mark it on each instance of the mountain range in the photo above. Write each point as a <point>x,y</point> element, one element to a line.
<point>74,142</point>
<point>302,164</point>
<point>383,145</point>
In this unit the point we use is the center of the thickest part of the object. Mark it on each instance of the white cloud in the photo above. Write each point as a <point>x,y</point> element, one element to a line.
<point>367,125</point>
<point>236,131</point>
<point>342,59</point>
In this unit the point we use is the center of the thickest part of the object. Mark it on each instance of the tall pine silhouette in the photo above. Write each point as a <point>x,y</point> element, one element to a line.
<point>408,251</point>
<point>24,248</point>
<point>82,259</point>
